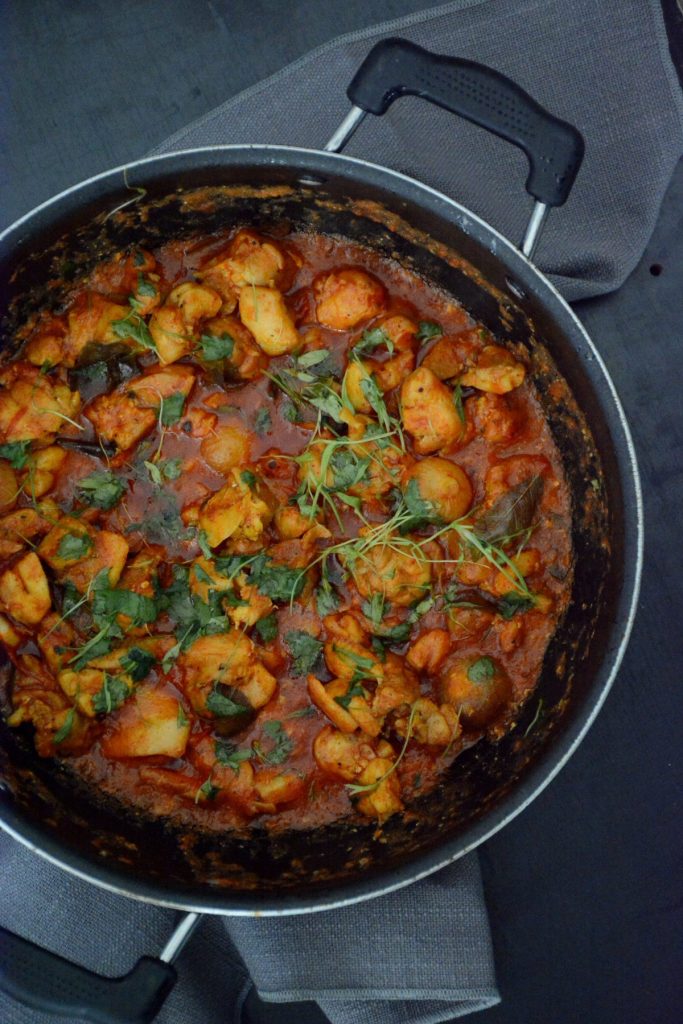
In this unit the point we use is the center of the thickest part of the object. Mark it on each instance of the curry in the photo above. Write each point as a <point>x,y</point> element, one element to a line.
<point>282,531</point>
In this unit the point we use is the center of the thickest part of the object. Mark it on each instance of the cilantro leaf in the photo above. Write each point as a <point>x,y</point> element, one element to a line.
<point>305,650</point>
<point>267,628</point>
<point>326,598</point>
<point>172,409</point>
<point>354,690</point>
<point>371,339</point>
<point>145,288</point>
<point>427,330</point>
<point>101,489</point>
<point>65,728</point>
<point>108,602</point>
<point>207,790</point>
<point>225,707</point>
<point>137,663</point>
<point>513,602</point>
<point>280,747</point>
<point>423,511</point>
<point>16,453</point>
<point>262,421</point>
<point>278,582</point>
<point>216,347</point>
<point>112,695</point>
<point>481,670</point>
<point>374,609</point>
<point>248,478</point>
<point>230,755</point>
<point>133,326</point>
<point>74,546</point>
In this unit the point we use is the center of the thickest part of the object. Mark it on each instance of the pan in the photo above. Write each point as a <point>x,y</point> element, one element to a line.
<point>203,190</point>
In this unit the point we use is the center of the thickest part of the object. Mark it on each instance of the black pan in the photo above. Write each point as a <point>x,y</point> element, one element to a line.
<point>197,192</point>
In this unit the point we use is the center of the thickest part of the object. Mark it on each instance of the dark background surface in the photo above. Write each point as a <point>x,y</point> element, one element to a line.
<point>584,887</point>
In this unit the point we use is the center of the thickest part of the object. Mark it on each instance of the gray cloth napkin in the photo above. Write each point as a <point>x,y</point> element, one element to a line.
<point>421,955</point>
<point>604,66</point>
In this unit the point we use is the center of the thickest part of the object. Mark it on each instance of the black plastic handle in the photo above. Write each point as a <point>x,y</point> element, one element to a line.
<point>396,67</point>
<point>47,982</point>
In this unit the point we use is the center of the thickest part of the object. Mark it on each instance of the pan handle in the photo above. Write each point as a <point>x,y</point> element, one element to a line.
<point>397,67</point>
<point>45,981</point>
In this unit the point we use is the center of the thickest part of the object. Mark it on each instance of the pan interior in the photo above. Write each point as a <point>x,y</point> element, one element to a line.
<point>43,801</point>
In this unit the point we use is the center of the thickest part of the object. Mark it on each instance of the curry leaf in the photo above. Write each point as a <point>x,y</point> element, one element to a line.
<point>512,513</point>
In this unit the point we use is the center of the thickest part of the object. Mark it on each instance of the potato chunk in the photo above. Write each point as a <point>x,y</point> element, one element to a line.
<point>24,590</point>
<point>384,797</point>
<point>118,418</point>
<point>251,259</point>
<point>225,660</point>
<point>264,312</point>
<point>477,687</point>
<point>32,406</point>
<point>429,413</point>
<point>344,298</point>
<point>148,724</point>
<point>91,319</point>
<point>9,487</point>
<point>22,525</point>
<point>443,485</point>
<point>226,447</point>
<point>77,552</point>
<point>236,511</point>
<point>496,371</point>
<point>324,698</point>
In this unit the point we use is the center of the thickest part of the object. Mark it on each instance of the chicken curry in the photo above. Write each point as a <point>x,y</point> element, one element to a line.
<point>282,531</point>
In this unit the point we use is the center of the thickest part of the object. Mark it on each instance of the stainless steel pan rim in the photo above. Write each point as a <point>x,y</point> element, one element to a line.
<point>539,775</point>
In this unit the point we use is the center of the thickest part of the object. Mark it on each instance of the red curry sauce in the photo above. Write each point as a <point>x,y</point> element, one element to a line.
<point>282,530</point>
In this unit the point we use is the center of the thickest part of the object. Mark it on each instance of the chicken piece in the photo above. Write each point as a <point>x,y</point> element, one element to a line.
<point>392,372</point>
<point>275,788</point>
<point>43,469</point>
<point>468,624</point>
<point>237,510</point>
<point>253,604</point>
<point>126,415</point>
<point>450,356</point>
<point>431,725</point>
<point>228,446</point>
<point>496,370</point>
<point>147,725</point>
<point>251,259</point>
<point>92,319</point>
<point>9,486</point>
<point>443,485</point>
<point>429,651</point>
<point>36,698</point>
<point>342,755</point>
<point>25,524</point>
<point>24,590</point>
<point>47,343</point>
<point>151,389</point>
<point>264,312</point>
<point>81,687</point>
<point>129,274</point>
<point>246,360</point>
<point>344,298</point>
<point>346,627</point>
<point>428,411</point>
<point>56,641</point>
<point>228,660</point>
<point>33,407</point>
<point>383,798</point>
<point>324,697</point>
<point>173,327</point>
<point>77,552</point>
<point>118,418</point>
<point>402,577</point>
<point>397,688</point>
<point>494,418</point>
<point>477,687</point>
